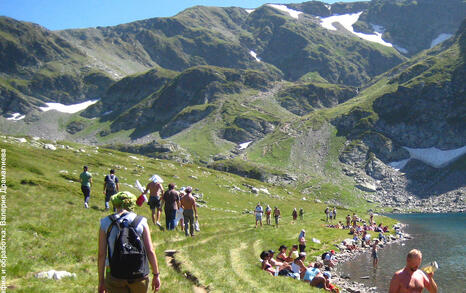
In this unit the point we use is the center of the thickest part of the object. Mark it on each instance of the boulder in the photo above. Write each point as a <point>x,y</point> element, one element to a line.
<point>50,147</point>
<point>368,187</point>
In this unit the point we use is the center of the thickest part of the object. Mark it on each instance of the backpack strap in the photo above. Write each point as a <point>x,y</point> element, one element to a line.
<point>136,221</point>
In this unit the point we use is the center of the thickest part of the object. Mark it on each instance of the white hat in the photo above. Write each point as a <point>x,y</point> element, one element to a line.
<point>156,178</point>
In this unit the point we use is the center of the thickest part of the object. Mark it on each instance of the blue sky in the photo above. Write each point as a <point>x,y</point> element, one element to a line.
<point>62,14</point>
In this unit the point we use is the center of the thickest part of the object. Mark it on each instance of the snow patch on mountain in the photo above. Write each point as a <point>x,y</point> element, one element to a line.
<point>398,165</point>
<point>347,21</point>
<point>293,13</point>
<point>440,38</point>
<point>16,117</point>
<point>254,55</point>
<point>249,10</point>
<point>70,109</point>
<point>244,145</point>
<point>401,49</point>
<point>431,156</point>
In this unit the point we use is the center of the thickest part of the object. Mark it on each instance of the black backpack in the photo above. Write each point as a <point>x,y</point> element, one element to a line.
<point>324,255</point>
<point>111,184</point>
<point>129,259</point>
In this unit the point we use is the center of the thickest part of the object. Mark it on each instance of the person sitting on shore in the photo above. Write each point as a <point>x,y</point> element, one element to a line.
<point>358,229</point>
<point>382,237</point>
<point>293,253</point>
<point>379,228</point>
<point>282,254</point>
<point>319,281</point>
<point>330,260</point>
<point>298,267</point>
<point>266,266</point>
<point>350,244</point>
<point>312,272</point>
<point>330,287</point>
<point>366,238</point>
<point>275,263</point>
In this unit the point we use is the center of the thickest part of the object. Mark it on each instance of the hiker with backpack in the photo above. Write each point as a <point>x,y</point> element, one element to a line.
<point>125,250</point>
<point>327,212</point>
<point>86,182</point>
<point>111,187</point>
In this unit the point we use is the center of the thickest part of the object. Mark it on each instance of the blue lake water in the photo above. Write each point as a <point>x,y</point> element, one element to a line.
<point>440,237</point>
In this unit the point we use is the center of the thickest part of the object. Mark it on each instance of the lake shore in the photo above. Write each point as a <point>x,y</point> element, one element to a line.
<point>344,281</point>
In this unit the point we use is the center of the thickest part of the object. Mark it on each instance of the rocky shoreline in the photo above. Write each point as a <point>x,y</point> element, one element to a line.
<point>343,281</point>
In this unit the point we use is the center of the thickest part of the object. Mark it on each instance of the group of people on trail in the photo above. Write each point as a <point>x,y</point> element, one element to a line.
<point>125,252</point>
<point>259,211</point>
<point>111,186</point>
<point>179,207</point>
<point>292,264</point>
<point>330,213</point>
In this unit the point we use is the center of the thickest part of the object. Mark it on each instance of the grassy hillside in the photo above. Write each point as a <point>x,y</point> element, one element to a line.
<point>48,227</point>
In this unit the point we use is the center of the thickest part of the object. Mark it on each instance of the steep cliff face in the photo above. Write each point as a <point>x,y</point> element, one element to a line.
<point>417,124</point>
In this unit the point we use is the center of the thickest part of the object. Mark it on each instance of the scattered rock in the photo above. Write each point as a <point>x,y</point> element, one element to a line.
<point>264,190</point>
<point>50,147</point>
<point>365,186</point>
<point>55,275</point>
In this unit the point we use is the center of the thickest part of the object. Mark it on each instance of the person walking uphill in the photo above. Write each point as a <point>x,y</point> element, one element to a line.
<point>111,187</point>
<point>171,203</point>
<point>155,189</point>
<point>125,250</point>
<point>86,182</point>
<point>188,202</point>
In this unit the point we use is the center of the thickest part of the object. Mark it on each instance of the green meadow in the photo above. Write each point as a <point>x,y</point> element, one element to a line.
<point>48,227</point>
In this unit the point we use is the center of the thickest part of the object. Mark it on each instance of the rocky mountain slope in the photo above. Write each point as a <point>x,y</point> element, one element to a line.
<point>39,66</point>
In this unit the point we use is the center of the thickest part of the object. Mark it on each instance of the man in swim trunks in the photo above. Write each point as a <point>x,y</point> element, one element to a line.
<point>411,279</point>
<point>155,189</point>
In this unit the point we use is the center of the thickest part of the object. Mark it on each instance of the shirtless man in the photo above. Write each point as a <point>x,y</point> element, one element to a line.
<point>411,279</point>
<point>188,203</point>
<point>155,189</point>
